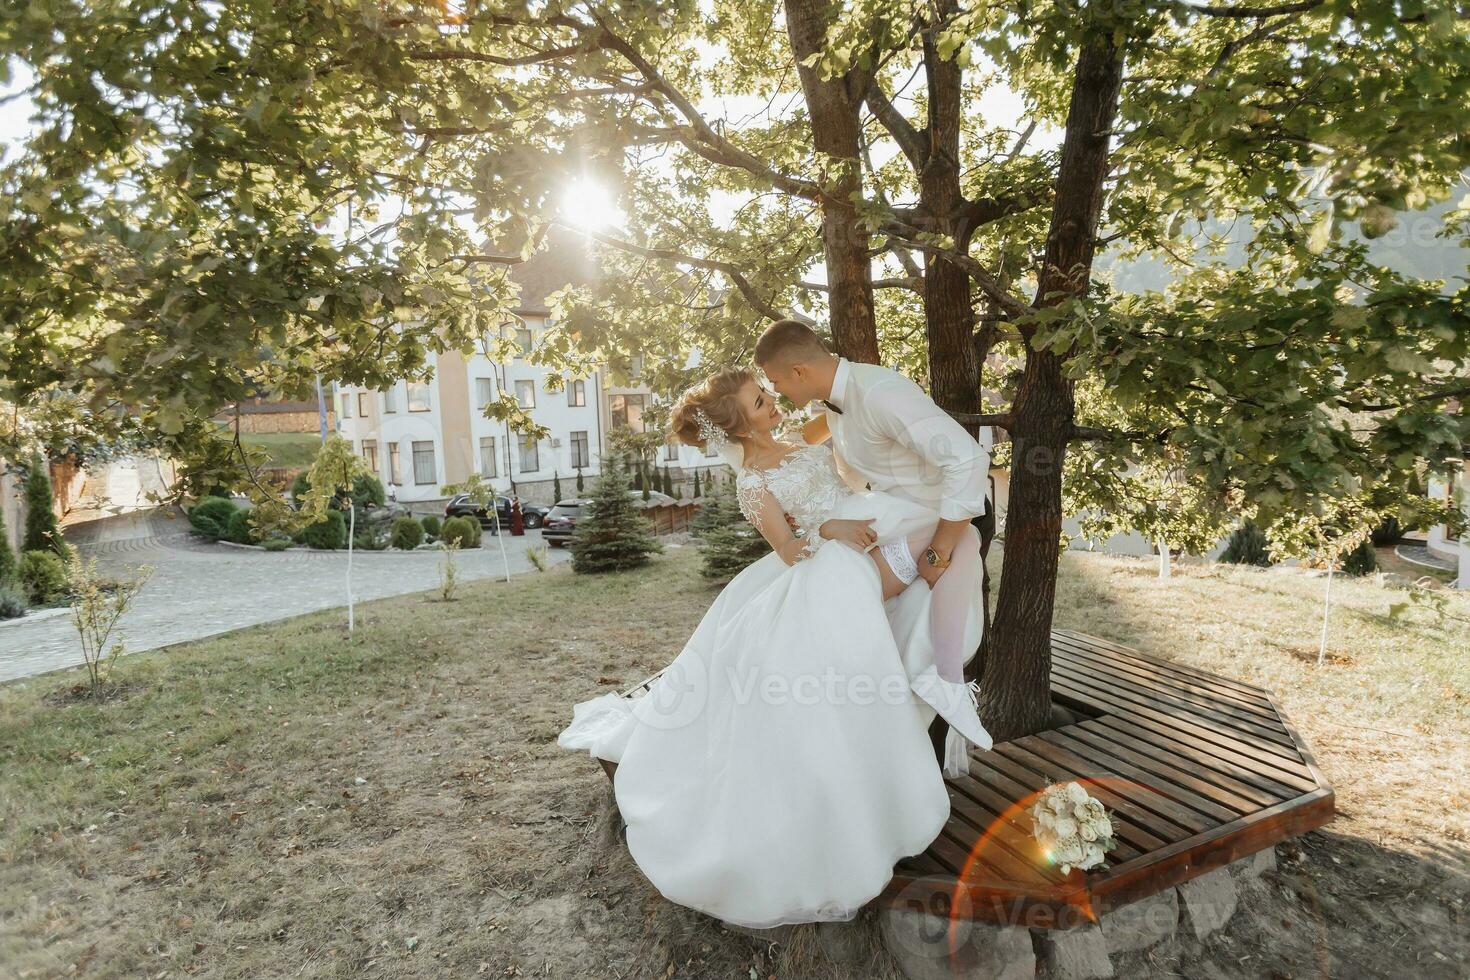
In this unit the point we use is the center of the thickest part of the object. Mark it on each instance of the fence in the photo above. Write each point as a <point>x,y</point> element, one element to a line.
<point>670,518</point>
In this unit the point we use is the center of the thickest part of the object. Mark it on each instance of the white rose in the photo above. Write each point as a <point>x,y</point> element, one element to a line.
<point>1075,793</point>
<point>1104,827</point>
<point>1087,833</point>
<point>1066,827</point>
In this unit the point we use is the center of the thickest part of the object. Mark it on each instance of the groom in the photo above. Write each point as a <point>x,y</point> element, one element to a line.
<point>889,435</point>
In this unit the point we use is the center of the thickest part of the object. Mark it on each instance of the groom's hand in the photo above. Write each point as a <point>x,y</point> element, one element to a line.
<point>930,573</point>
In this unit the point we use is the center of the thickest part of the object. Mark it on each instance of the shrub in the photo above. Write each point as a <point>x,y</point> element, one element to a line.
<point>366,490</point>
<point>329,533</point>
<point>407,534</point>
<point>1362,560</point>
<point>462,532</point>
<point>43,576</point>
<point>276,544</point>
<point>431,526</point>
<point>238,530</point>
<point>1247,546</point>
<point>370,539</point>
<point>12,602</point>
<point>211,517</point>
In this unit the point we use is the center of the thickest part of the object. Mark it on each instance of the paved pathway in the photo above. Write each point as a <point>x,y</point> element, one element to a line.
<point>199,589</point>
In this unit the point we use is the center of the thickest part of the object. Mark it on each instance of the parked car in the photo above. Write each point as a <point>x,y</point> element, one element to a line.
<point>561,520</point>
<point>462,506</point>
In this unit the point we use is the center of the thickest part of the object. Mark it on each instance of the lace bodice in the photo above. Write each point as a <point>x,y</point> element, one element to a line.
<point>806,485</point>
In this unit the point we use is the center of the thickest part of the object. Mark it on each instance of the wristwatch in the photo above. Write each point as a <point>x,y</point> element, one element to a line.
<point>932,557</point>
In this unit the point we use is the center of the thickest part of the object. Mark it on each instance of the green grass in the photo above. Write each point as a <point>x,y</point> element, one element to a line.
<point>210,821</point>
<point>288,450</point>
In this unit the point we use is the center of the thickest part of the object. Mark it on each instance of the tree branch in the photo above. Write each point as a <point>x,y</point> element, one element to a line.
<point>904,133</point>
<point>730,271</point>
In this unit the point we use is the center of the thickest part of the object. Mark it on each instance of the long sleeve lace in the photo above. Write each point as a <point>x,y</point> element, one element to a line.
<point>766,515</point>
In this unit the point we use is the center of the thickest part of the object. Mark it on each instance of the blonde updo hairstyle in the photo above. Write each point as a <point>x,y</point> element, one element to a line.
<point>719,396</point>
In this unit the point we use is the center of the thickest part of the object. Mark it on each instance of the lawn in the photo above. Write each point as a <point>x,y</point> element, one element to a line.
<point>292,801</point>
<point>288,450</point>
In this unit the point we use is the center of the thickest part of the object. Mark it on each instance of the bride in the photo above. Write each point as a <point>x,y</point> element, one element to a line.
<point>780,766</point>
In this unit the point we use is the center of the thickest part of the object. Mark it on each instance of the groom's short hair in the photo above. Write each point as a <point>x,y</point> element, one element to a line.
<point>787,342</point>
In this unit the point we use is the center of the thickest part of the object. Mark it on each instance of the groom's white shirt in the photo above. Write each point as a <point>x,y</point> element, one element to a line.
<point>890,435</point>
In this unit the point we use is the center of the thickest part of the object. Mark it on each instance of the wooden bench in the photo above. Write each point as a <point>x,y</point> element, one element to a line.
<point>1196,771</point>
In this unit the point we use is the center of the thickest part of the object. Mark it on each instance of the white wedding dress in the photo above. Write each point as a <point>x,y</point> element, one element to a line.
<point>781,765</point>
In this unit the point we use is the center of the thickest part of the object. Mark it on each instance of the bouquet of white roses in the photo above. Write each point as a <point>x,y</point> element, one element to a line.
<point>1072,827</point>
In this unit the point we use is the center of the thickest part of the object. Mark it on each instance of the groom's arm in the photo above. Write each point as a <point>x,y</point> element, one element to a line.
<point>961,464</point>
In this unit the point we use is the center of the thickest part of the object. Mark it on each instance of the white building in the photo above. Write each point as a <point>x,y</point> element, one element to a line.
<point>1440,540</point>
<point>424,435</point>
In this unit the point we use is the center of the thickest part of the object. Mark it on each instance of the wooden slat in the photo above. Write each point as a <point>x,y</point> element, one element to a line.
<point>1299,780</point>
<point>1112,795</point>
<point>1189,791</point>
<point>1140,837</point>
<point>1128,653</point>
<point>1162,806</point>
<point>1270,737</point>
<point>1014,817</point>
<point>1268,752</point>
<point>1004,855</point>
<point>1194,690</point>
<point>1215,772</point>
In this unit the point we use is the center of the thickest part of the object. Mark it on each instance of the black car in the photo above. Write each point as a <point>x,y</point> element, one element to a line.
<point>561,520</point>
<point>462,506</point>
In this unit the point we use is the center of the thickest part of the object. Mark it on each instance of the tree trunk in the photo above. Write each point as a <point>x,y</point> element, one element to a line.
<point>836,133</point>
<point>1015,691</point>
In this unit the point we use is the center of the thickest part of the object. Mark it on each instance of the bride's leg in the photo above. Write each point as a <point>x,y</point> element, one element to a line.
<point>954,595</point>
<point>893,583</point>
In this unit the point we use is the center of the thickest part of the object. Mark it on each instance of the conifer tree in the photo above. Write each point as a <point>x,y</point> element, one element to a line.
<point>730,543</point>
<point>42,533</point>
<point>612,534</point>
<point>7,556</point>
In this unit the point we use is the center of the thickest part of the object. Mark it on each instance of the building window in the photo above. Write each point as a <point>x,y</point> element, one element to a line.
<point>423,462</point>
<point>580,455</point>
<point>526,394</point>
<point>709,450</point>
<point>363,398</point>
<point>370,455</point>
<point>637,366</point>
<point>346,406</point>
<point>627,411</point>
<point>390,400</point>
<point>523,341</point>
<point>395,472</point>
<point>530,453</point>
<point>418,396</point>
<point>487,456</point>
<point>484,392</point>
<point>577,394</point>
<point>671,451</point>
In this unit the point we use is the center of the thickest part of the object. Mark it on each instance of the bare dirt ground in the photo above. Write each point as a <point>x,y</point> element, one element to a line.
<point>291,801</point>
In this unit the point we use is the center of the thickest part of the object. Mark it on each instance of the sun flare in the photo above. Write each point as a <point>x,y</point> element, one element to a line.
<point>590,204</point>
